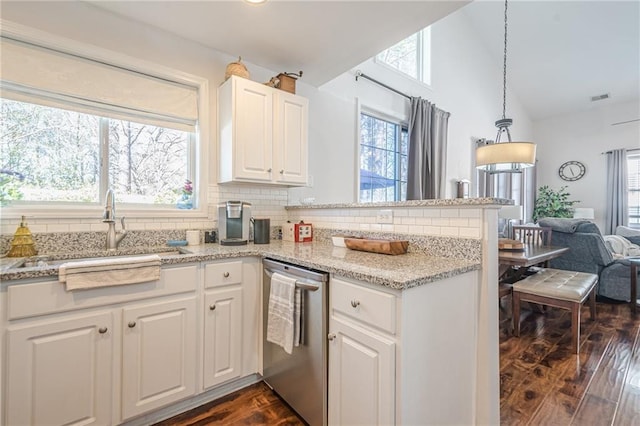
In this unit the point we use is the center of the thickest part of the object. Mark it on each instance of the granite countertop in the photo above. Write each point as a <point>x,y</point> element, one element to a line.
<point>439,202</point>
<point>397,272</point>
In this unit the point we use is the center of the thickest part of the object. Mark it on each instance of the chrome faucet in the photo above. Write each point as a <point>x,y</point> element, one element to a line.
<point>109,216</point>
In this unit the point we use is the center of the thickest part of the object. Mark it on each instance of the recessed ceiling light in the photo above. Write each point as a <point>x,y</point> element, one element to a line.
<point>255,1</point>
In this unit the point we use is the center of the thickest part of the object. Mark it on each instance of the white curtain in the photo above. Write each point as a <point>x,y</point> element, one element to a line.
<point>617,207</point>
<point>427,158</point>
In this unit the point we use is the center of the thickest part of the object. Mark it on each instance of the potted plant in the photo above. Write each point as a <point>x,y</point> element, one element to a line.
<point>552,203</point>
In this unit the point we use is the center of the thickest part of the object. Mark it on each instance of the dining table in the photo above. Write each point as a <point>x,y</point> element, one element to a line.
<point>529,255</point>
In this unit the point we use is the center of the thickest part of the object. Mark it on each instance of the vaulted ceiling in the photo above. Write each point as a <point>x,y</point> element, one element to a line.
<point>560,53</point>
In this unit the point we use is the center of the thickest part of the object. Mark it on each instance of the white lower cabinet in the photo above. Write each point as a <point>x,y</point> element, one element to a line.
<point>97,356</point>
<point>231,320</point>
<point>223,335</point>
<point>59,372</point>
<point>361,376</point>
<point>158,354</point>
<point>393,358</point>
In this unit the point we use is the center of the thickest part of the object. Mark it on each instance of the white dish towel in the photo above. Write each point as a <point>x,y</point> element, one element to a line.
<point>86,274</point>
<point>280,318</point>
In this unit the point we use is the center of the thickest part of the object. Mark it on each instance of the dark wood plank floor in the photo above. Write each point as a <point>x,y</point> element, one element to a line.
<point>541,381</point>
<point>253,405</point>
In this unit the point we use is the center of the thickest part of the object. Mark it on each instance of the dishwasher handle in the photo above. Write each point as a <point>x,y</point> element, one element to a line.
<point>302,283</point>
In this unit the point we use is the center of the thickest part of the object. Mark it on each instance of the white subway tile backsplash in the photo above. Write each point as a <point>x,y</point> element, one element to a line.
<point>450,213</point>
<point>471,213</point>
<point>469,232</point>
<point>449,231</point>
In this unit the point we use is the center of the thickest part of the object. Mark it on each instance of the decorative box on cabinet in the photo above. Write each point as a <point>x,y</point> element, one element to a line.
<point>263,134</point>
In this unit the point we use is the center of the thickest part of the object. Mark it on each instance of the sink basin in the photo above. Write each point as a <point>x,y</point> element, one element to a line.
<point>51,261</point>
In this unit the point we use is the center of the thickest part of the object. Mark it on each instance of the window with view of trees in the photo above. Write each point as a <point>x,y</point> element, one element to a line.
<point>55,155</point>
<point>633,171</point>
<point>383,160</point>
<point>74,125</point>
<point>410,56</point>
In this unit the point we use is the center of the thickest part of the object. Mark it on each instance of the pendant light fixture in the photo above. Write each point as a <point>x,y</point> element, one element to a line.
<point>508,156</point>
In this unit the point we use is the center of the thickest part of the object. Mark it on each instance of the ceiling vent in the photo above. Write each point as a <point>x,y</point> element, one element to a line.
<point>599,97</point>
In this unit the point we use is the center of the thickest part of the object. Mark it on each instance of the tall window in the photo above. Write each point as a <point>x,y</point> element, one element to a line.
<point>71,127</point>
<point>411,56</point>
<point>383,160</point>
<point>633,170</point>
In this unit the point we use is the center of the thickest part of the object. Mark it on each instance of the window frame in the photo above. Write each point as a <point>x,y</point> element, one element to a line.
<point>423,59</point>
<point>200,151</point>
<point>404,126</point>
<point>632,155</point>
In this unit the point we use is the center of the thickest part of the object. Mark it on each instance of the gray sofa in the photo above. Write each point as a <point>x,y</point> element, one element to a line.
<point>588,253</point>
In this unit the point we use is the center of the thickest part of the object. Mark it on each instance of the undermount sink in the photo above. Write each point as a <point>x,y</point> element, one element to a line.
<point>51,261</point>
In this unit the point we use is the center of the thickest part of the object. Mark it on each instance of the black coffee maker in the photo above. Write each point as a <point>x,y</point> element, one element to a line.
<point>233,222</point>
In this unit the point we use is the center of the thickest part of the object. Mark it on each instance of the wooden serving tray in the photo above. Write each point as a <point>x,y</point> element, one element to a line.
<point>393,247</point>
<point>509,244</point>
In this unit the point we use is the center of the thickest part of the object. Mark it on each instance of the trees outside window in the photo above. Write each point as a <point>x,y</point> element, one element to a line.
<point>383,160</point>
<point>56,155</point>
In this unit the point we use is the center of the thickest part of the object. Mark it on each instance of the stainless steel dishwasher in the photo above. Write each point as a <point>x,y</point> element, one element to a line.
<point>300,378</point>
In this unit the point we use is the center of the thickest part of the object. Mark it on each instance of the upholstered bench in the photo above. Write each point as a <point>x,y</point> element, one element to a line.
<point>560,289</point>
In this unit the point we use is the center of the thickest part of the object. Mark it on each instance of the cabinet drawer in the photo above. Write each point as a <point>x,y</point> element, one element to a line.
<point>372,307</point>
<point>51,296</point>
<point>222,274</point>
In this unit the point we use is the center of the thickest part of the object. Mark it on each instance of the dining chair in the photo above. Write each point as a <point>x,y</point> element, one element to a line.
<point>527,234</point>
<point>536,235</point>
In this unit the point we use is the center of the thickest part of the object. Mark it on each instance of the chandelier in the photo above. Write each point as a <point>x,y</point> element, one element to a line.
<point>506,156</point>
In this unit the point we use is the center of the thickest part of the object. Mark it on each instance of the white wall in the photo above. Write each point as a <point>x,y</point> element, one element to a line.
<point>466,81</point>
<point>584,136</point>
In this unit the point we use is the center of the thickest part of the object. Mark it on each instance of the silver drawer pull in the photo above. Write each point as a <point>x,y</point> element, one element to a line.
<point>102,330</point>
<point>331,336</point>
<point>355,303</point>
<point>131,324</point>
<point>212,307</point>
<point>226,275</point>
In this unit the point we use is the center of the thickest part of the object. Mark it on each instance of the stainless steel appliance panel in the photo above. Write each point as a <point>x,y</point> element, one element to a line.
<point>300,378</point>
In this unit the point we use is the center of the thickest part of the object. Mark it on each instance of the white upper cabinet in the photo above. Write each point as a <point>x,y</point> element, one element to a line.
<point>263,134</point>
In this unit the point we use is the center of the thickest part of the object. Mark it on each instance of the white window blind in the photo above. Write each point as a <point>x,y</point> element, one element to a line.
<point>47,77</point>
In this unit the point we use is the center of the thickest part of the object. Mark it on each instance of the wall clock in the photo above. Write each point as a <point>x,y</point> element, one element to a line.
<point>572,170</point>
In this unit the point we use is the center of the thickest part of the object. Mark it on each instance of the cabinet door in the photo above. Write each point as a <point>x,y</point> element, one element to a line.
<point>290,141</point>
<point>222,336</point>
<point>158,354</point>
<point>361,376</point>
<point>253,128</point>
<point>59,372</point>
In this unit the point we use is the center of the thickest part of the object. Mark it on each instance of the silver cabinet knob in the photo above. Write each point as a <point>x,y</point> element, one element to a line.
<point>212,307</point>
<point>269,170</point>
<point>131,324</point>
<point>281,172</point>
<point>355,303</point>
<point>102,330</point>
<point>331,336</point>
<point>226,275</point>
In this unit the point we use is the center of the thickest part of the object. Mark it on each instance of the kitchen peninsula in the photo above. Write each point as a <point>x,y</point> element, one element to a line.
<point>438,301</point>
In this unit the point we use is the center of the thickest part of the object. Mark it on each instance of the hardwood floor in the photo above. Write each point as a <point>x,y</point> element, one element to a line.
<point>541,381</point>
<point>253,405</point>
